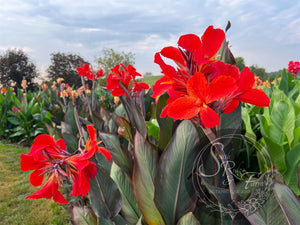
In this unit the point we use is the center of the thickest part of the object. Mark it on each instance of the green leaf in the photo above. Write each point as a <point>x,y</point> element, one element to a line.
<point>165,125</point>
<point>13,120</point>
<point>250,135</point>
<point>120,156</point>
<point>134,114</point>
<point>145,163</point>
<point>293,164</point>
<point>289,203</point>
<point>83,216</point>
<point>188,219</point>
<point>153,128</point>
<point>130,209</point>
<point>175,194</point>
<point>104,195</point>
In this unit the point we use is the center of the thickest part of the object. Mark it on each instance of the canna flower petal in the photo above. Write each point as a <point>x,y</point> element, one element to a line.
<point>36,177</point>
<point>49,190</point>
<point>231,106</point>
<point>190,42</point>
<point>183,108</point>
<point>212,40</point>
<point>221,87</point>
<point>209,117</point>
<point>173,53</point>
<point>255,97</point>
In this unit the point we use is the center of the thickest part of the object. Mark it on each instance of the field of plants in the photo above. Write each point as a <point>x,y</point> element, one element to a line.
<point>205,143</point>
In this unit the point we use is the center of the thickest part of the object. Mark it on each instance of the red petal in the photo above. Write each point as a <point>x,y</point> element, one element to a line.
<point>231,106</point>
<point>36,178</point>
<point>197,86</point>
<point>190,42</point>
<point>220,87</point>
<point>246,79</point>
<point>209,117</point>
<point>166,69</point>
<point>92,133</point>
<point>183,108</point>
<point>173,53</point>
<point>49,190</point>
<point>160,86</point>
<point>105,152</point>
<point>255,97</point>
<point>212,40</point>
<point>61,144</point>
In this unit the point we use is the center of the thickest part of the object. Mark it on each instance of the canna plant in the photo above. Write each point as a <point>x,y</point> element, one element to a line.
<point>172,154</point>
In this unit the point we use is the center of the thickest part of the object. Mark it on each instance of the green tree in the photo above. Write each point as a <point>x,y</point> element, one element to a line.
<point>64,66</point>
<point>110,58</point>
<point>15,66</point>
<point>240,62</point>
<point>259,71</point>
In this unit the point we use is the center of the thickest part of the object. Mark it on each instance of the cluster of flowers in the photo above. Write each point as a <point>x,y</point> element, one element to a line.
<point>122,80</point>
<point>201,87</point>
<point>294,68</point>
<point>50,158</point>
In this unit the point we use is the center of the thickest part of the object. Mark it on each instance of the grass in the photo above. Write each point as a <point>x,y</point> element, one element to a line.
<point>14,187</point>
<point>149,80</point>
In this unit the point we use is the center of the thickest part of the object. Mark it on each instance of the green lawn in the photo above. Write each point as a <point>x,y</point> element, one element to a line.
<point>149,80</point>
<point>14,187</point>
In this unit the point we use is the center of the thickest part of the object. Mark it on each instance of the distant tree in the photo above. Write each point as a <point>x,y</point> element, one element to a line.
<point>64,66</point>
<point>147,74</point>
<point>240,62</point>
<point>15,66</point>
<point>259,71</point>
<point>109,58</point>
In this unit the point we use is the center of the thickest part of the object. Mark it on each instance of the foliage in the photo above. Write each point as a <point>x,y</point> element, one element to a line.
<point>109,58</point>
<point>259,71</point>
<point>240,62</point>
<point>64,66</point>
<point>278,129</point>
<point>16,66</point>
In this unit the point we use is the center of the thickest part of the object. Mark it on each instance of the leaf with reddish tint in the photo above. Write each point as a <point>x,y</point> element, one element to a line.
<point>145,163</point>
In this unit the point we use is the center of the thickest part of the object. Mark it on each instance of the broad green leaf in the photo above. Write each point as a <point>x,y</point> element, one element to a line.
<point>13,120</point>
<point>165,125</point>
<point>83,216</point>
<point>293,165</point>
<point>135,116</point>
<point>188,219</point>
<point>130,209</point>
<point>175,194</point>
<point>145,163</point>
<point>104,195</point>
<point>153,129</point>
<point>277,154</point>
<point>283,114</point>
<point>250,135</point>
<point>120,155</point>
<point>289,202</point>
<point>286,84</point>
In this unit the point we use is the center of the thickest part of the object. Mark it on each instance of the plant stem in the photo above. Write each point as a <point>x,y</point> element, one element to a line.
<point>232,187</point>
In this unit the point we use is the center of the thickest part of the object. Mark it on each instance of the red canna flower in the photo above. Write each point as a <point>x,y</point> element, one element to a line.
<point>49,157</point>
<point>119,80</point>
<point>200,96</point>
<point>246,92</point>
<point>201,87</point>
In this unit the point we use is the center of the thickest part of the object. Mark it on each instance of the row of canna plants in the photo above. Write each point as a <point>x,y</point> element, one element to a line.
<point>26,114</point>
<point>182,152</point>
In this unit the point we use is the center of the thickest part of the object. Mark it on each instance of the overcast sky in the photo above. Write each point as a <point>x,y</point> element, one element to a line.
<point>266,33</point>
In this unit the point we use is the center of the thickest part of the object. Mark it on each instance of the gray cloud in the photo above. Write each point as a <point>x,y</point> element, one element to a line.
<point>263,32</point>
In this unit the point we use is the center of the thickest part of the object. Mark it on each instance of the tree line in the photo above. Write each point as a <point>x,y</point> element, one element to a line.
<point>15,66</point>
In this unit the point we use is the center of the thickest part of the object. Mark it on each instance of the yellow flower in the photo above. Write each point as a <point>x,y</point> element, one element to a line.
<point>116,100</point>
<point>59,80</point>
